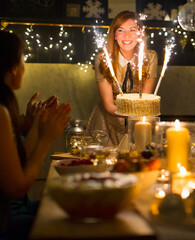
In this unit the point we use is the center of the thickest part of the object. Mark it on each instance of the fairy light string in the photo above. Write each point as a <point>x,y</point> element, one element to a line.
<point>67,47</point>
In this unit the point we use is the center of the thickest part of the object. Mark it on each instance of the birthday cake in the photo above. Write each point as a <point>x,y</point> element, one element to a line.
<point>131,104</point>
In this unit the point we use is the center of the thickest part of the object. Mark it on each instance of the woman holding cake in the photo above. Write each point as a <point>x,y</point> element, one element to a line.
<point>123,47</point>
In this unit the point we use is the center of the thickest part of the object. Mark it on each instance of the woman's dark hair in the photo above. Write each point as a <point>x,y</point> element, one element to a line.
<point>11,50</point>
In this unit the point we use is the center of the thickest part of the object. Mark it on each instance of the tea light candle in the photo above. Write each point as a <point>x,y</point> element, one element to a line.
<point>160,194</point>
<point>163,177</point>
<point>143,134</point>
<point>177,147</point>
<point>180,182</point>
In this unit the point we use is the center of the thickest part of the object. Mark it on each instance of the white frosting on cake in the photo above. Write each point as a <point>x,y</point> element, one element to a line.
<point>131,104</point>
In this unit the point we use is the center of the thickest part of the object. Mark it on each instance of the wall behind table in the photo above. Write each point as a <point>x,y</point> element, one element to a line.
<point>177,91</point>
<point>78,88</point>
<point>66,81</point>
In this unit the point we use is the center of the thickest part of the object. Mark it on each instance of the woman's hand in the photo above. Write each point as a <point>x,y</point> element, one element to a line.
<point>53,121</point>
<point>33,107</point>
<point>106,94</point>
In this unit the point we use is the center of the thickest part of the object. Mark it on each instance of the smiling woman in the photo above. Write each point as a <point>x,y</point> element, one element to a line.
<point>126,33</point>
<point>127,36</point>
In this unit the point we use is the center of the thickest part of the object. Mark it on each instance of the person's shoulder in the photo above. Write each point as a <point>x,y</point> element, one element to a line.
<point>100,54</point>
<point>151,52</point>
<point>3,111</point>
<point>99,57</point>
<point>152,55</point>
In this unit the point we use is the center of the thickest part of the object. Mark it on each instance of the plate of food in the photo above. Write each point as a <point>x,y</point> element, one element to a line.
<point>145,166</point>
<point>69,166</point>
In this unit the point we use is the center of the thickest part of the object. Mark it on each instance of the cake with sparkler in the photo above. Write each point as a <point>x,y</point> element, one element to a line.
<point>131,104</point>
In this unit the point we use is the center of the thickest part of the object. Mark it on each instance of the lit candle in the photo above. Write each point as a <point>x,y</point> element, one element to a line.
<point>143,134</point>
<point>181,182</point>
<point>177,147</point>
<point>160,194</point>
<point>163,177</point>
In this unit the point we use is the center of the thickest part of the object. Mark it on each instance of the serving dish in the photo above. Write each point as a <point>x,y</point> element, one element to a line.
<point>93,195</point>
<point>69,166</point>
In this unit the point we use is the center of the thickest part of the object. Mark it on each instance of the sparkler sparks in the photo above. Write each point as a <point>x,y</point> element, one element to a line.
<point>168,51</point>
<point>140,63</point>
<point>111,69</point>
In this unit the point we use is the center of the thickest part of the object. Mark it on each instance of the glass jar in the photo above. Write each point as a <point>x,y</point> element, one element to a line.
<point>74,129</point>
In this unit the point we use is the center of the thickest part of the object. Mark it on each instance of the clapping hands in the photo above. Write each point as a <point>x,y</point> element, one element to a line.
<point>33,108</point>
<point>44,121</point>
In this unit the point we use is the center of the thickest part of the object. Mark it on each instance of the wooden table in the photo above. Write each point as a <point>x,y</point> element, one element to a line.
<point>53,223</point>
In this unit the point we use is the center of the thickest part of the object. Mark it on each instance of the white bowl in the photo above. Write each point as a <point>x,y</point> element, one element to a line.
<point>93,195</point>
<point>66,166</point>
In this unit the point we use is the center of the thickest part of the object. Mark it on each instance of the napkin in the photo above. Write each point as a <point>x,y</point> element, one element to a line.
<point>124,143</point>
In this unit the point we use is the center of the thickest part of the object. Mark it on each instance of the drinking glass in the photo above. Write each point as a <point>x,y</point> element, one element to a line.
<point>100,137</point>
<point>87,140</point>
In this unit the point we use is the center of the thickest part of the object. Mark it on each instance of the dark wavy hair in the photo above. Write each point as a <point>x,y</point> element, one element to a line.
<point>11,50</point>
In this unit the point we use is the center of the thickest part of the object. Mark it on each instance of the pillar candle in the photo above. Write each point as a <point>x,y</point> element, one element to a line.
<point>143,135</point>
<point>177,147</point>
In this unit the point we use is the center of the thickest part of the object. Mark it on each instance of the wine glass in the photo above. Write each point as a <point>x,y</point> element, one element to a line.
<point>100,137</point>
<point>96,153</point>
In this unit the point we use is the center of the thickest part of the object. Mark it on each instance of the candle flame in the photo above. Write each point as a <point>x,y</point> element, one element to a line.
<point>160,194</point>
<point>163,176</point>
<point>111,69</point>
<point>143,119</point>
<point>177,124</point>
<point>185,193</point>
<point>191,184</point>
<point>182,170</point>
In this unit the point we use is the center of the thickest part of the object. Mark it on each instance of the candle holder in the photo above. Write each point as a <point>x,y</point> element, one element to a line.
<point>181,145</point>
<point>141,131</point>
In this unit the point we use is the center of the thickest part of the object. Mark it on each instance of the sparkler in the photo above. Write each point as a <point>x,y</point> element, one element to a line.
<point>111,69</point>
<point>168,51</point>
<point>140,63</point>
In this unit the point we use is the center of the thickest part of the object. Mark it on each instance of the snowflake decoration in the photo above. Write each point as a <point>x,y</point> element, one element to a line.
<point>155,11</point>
<point>92,8</point>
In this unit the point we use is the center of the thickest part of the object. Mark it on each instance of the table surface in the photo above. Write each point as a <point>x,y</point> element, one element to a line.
<point>53,223</point>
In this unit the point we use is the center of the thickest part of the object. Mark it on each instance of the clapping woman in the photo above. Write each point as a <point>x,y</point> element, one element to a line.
<point>20,160</point>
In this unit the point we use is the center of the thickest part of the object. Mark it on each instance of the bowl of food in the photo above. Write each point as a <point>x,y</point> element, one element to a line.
<point>69,166</point>
<point>93,195</point>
